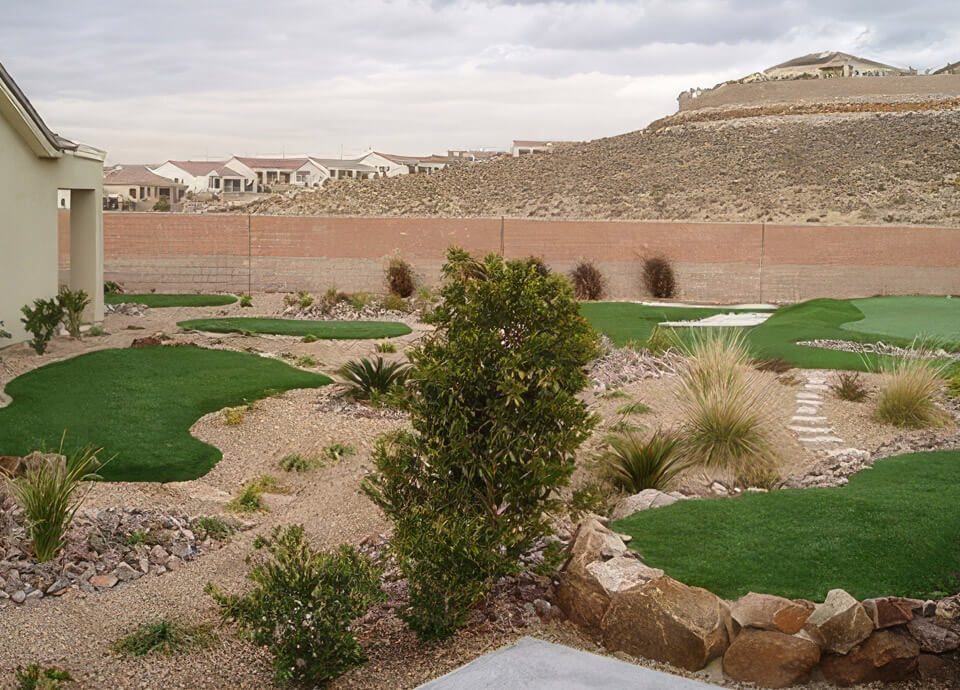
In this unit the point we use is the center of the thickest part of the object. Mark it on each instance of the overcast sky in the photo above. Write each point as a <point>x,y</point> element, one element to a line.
<point>176,79</point>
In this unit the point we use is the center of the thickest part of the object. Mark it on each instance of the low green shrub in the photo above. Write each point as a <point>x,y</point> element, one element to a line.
<point>41,321</point>
<point>622,426</point>
<point>632,463</point>
<point>953,386</point>
<point>302,605</point>
<point>366,379</point>
<point>246,299</point>
<point>164,637</point>
<point>386,348</point>
<point>33,677</point>
<point>97,330</point>
<point>234,415</point>
<point>304,299</point>
<point>306,361</point>
<point>137,537</point>
<point>249,500</point>
<point>588,281</point>
<point>591,498</point>
<point>360,300</point>
<point>399,276</point>
<point>633,408</point>
<point>295,462</point>
<point>909,394</point>
<point>616,393</point>
<point>661,339</point>
<point>310,338</point>
<point>394,302</point>
<point>214,527</point>
<point>72,303</point>
<point>337,451</point>
<point>848,385</point>
<point>47,493</point>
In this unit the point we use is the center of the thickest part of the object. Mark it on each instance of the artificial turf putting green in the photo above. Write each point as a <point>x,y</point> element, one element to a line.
<point>324,330</point>
<point>909,317</point>
<point>626,321</point>
<point>155,301</point>
<point>891,531</point>
<point>139,404</point>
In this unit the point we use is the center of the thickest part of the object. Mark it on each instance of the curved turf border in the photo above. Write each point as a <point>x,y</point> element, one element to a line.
<point>891,531</point>
<point>323,330</point>
<point>159,301</point>
<point>139,404</point>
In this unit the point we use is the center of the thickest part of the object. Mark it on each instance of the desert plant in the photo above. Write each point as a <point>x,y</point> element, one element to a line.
<point>360,300</point>
<point>908,396</point>
<point>295,462</point>
<point>72,303</point>
<point>622,426</point>
<point>615,393</point>
<point>137,537</point>
<point>591,498</point>
<point>366,379</point>
<point>163,204</point>
<point>773,364</point>
<point>953,386</point>
<point>538,264</point>
<point>306,361</point>
<point>309,338</point>
<point>633,408</point>
<point>304,299</point>
<point>3,333</point>
<point>246,299</point>
<point>394,302</point>
<point>302,605</point>
<point>386,348</point>
<point>660,340</point>
<point>588,282</point>
<point>424,296</point>
<point>47,493</point>
<point>214,527</point>
<point>400,278</point>
<point>41,321</point>
<point>848,385</point>
<point>112,287</point>
<point>632,463</point>
<point>164,637</point>
<point>336,451</point>
<point>249,500</point>
<point>495,424</point>
<point>97,330</point>
<point>33,677</point>
<point>659,278</point>
<point>234,415</point>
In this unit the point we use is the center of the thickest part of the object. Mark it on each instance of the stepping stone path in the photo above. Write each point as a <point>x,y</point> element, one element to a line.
<point>810,426</point>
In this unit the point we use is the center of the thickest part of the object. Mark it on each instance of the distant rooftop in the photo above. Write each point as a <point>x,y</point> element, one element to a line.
<point>830,58</point>
<point>273,163</point>
<point>138,175</point>
<point>196,168</point>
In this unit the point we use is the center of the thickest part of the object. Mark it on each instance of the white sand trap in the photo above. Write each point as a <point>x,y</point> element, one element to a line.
<point>744,320</point>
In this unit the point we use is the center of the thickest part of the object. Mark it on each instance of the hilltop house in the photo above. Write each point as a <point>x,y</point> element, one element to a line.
<point>210,177</point>
<point>826,65</point>
<point>137,188</point>
<point>341,168</point>
<point>36,163</point>
<point>953,68</point>
<point>525,147</point>
<point>416,164</point>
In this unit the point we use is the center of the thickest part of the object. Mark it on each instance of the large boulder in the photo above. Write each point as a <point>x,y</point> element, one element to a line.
<point>667,621</point>
<point>769,612</point>
<point>841,621</point>
<point>646,499</point>
<point>932,638</point>
<point>886,656</point>
<point>770,659</point>
<point>10,466</point>
<point>579,593</point>
<point>889,611</point>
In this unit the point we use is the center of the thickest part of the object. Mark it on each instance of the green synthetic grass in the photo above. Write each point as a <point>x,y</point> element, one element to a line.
<point>908,317</point>
<point>626,321</point>
<point>321,330</point>
<point>893,530</point>
<point>155,301</point>
<point>139,404</point>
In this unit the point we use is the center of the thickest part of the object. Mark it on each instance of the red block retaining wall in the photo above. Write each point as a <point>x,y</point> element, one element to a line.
<point>715,262</point>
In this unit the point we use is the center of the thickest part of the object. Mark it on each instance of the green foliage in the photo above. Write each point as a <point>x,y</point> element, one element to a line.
<point>617,393</point>
<point>661,339</point>
<point>394,302</point>
<point>848,385</point>
<point>137,537</point>
<point>366,379</point>
<point>304,299</point>
<point>591,498</point>
<point>41,321</point>
<point>953,386</point>
<point>495,424</point>
<point>337,451</point>
<point>72,304</point>
<point>400,278</point>
<point>310,338</point>
<point>622,426</point>
<point>909,395</point>
<point>386,347</point>
<point>164,637</point>
<point>47,493</point>
<point>302,605</point>
<point>163,204</point>
<point>249,500</point>
<point>246,300</point>
<point>295,462</point>
<point>97,330</point>
<point>112,287</point>
<point>632,464</point>
<point>306,361</point>
<point>360,300</point>
<point>33,677</point>
<point>633,408</point>
<point>659,278</point>
<point>162,301</point>
<point>234,415</point>
<point>588,282</point>
<point>335,330</point>
<point>215,527</point>
<point>773,364</point>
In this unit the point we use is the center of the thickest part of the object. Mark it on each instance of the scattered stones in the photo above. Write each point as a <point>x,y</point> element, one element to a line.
<point>769,612</point>
<point>881,348</point>
<point>104,581</point>
<point>646,499</point>
<point>885,656</point>
<point>125,308</point>
<point>770,659</point>
<point>842,621</point>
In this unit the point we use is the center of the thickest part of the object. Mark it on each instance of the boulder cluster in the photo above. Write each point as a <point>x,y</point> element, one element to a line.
<point>763,639</point>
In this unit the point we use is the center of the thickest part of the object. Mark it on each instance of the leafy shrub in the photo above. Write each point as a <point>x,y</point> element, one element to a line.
<point>953,386</point>
<point>633,464</point>
<point>249,500</point>
<point>47,494</point>
<point>848,385</point>
<point>591,498</point>
<point>3,333</point>
<point>633,408</point>
<point>302,605</point>
<point>659,278</point>
<point>538,264</point>
<point>215,527</point>
<point>424,296</point>
<point>661,339</point>
<point>400,279</point>
<point>163,204</point>
<point>111,287</point>
<point>360,300</point>
<point>394,302</point>
<point>306,361</point>
<point>33,677</point>
<point>295,462</point>
<point>310,338</point>
<point>588,282</point>
<point>42,322</point>
<point>72,303</point>
<point>97,330</point>
<point>616,393</point>
<point>337,451</point>
<point>164,637</point>
<point>304,299</point>
<point>622,426</point>
<point>908,396</point>
<point>495,424</point>
<point>774,364</point>
<point>246,300</point>
<point>386,347</point>
<point>137,537</point>
<point>366,379</point>
<point>234,415</point>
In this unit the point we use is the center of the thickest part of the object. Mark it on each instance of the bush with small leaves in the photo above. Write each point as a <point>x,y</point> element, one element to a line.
<point>310,338</point>
<point>33,677</point>
<point>234,415</point>
<point>386,348</point>
<point>250,498</point>
<point>163,204</point>
<point>214,527</point>
<point>394,302</point>
<point>163,637</point>
<point>246,299</point>
<point>538,264</point>
<point>591,498</point>
<point>41,321</point>
<point>848,385</point>
<point>137,537</point>
<point>306,361</point>
<point>295,462</point>
<point>659,278</point>
<point>632,463</point>
<point>588,282</point>
<point>302,605</point>
<point>337,451</point>
<point>366,379</point>
<point>72,303</point>
<point>360,300</point>
<point>97,330</point>
<point>400,278</point>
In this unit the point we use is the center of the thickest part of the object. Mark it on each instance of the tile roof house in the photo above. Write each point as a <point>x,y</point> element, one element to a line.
<point>417,164</point>
<point>210,177</point>
<point>828,64</point>
<point>138,188</point>
<point>35,164</point>
<point>299,171</point>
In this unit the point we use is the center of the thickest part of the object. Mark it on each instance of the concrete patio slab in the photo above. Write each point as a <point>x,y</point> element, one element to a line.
<point>537,665</point>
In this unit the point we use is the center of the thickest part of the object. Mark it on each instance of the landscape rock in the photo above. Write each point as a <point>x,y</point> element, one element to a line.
<point>769,612</point>
<point>104,581</point>
<point>770,659</point>
<point>949,608</point>
<point>889,611</point>
<point>19,596</point>
<point>842,621</point>
<point>932,638</point>
<point>885,656</point>
<point>646,499</point>
<point>666,620</point>
<point>622,572</point>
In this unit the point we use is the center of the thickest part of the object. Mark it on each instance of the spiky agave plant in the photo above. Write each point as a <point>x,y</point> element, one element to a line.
<point>366,379</point>
<point>632,463</point>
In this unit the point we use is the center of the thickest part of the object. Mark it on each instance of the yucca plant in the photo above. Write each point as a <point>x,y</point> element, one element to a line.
<point>47,494</point>
<point>367,379</point>
<point>72,303</point>
<point>632,463</point>
<point>908,397</point>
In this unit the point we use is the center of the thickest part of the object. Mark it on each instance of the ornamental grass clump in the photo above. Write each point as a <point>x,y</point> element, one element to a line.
<point>163,637</point>
<point>495,422</point>
<point>908,397</point>
<point>302,605</point>
<point>632,463</point>
<point>47,492</point>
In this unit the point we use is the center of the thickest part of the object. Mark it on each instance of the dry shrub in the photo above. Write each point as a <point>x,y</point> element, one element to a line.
<point>588,282</point>
<point>848,385</point>
<point>400,278</point>
<point>908,396</point>
<point>774,364</point>
<point>659,278</point>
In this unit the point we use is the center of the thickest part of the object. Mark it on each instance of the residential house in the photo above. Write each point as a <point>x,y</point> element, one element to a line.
<point>210,177</point>
<point>270,172</point>
<point>138,188</point>
<point>523,147</point>
<point>418,164</point>
<point>953,68</point>
<point>386,167</point>
<point>35,165</point>
<point>342,168</point>
<point>472,156</point>
<point>830,64</point>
